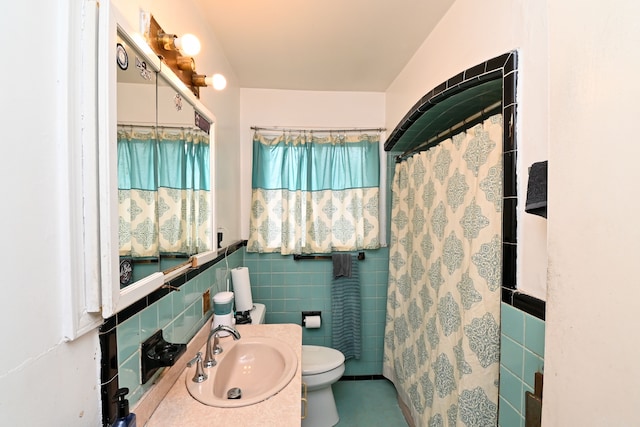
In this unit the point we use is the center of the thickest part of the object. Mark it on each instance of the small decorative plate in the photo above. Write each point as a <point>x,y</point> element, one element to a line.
<point>122,57</point>
<point>142,67</point>
<point>177,101</point>
<point>126,271</point>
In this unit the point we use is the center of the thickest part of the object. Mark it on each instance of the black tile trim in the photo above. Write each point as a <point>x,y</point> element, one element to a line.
<point>493,68</point>
<point>507,295</point>
<point>109,407</point>
<point>177,282</point>
<point>509,220</point>
<point>504,66</point>
<point>361,377</point>
<point>509,262</point>
<point>532,305</point>
<point>510,183</point>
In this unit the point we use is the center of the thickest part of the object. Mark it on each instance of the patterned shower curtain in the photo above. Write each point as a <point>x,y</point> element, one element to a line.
<point>163,191</point>
<point>314,194</point>
<point>442,335</point>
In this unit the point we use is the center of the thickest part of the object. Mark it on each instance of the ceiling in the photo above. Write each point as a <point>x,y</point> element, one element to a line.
<point>329,45</point>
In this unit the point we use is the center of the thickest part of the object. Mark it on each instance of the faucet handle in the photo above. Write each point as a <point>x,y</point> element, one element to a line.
<point>199,376</point>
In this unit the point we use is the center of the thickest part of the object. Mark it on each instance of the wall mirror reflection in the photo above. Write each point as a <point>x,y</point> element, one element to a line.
<point>163,205</point>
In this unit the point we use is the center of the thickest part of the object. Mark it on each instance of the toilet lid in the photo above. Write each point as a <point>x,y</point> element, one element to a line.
<point>317,359</point>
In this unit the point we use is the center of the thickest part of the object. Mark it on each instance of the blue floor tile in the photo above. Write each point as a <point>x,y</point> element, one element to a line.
<point>367,403</point>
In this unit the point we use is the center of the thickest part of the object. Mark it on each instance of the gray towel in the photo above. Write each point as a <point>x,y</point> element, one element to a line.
<point>537,190</point>
<point>345,313</point>
<point>341,265</point>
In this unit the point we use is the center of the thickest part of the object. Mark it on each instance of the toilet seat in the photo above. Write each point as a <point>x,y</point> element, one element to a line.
<point>317,359</point>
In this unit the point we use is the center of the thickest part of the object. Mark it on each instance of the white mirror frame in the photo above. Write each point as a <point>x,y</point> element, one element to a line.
<point>113,298</point>
<point>77,102</point>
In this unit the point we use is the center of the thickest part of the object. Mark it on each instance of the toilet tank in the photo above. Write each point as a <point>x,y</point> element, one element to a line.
<point>258,313</point>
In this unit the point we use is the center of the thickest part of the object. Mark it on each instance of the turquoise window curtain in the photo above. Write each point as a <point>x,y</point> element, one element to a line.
<point>165,196</point>
<point>183,190</point>
<point>137,198</point>
<point>314,194</point>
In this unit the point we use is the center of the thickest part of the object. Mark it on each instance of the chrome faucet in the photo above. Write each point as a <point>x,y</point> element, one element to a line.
<point>199,376</point>
<point>210,360</point>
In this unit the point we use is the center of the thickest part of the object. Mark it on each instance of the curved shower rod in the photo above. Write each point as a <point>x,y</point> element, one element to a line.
<point>460,126</point>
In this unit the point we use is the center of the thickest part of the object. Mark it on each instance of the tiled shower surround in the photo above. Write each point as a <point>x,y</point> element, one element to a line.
<point>521,356</point>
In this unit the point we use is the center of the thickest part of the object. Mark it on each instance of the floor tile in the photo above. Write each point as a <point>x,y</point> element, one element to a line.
<point>367,403</point>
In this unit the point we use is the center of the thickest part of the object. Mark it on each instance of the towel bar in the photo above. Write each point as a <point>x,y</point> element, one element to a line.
<point>297,257</point>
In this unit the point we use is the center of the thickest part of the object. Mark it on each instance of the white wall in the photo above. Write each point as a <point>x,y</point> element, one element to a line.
<point>43,379</point>
<point>470,33</point>
<point>592,351</point>
<point>293,108</point>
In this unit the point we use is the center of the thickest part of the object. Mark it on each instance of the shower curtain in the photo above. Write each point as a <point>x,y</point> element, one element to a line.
<point>442,333</point>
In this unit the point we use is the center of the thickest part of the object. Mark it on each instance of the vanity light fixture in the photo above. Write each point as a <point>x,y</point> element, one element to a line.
<point>187,44</point>
<point>218,81</point>
<point>176,52</point>
<point>186,63</point>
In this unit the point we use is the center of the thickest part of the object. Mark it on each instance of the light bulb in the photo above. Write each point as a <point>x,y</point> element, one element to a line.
<point>218,82</point>
<point>188,44</point>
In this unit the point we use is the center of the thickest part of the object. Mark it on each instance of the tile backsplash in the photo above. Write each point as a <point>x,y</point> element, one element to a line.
<point>285,286</point>
<point>179,314</point>
<point>288,287</point>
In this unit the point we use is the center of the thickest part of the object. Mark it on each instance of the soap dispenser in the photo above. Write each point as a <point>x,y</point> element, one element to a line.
<point>123,417</point>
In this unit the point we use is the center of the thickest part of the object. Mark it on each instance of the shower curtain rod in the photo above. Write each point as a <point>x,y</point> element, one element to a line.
<point>317,130</point>
<point>446,133</point>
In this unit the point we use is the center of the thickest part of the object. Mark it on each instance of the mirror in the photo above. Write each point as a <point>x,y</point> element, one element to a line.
<point>156,157</point>
<point>139,253</point>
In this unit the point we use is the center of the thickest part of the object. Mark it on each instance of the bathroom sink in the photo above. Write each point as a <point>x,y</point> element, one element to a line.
<point>259,367</point>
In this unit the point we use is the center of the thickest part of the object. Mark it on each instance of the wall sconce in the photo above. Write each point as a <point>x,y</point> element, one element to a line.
<point>176,52</point>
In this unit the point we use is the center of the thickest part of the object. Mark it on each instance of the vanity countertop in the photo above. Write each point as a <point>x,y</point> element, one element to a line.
<point>178,408</point>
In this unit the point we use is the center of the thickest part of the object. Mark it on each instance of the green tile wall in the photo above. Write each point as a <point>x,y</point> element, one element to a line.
<point>288,287</point>
<point>179,315</point>
<point>521,356</point>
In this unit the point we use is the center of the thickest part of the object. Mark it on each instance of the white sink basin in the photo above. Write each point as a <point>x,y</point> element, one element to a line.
<point>259,366</point>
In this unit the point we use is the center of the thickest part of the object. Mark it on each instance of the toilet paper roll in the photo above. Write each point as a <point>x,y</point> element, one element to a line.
<point>312,322</point>
<point>242,288</point>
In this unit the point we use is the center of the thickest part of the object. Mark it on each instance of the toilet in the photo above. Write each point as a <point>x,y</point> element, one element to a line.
<point>321,367</point>
<point>257,313</point>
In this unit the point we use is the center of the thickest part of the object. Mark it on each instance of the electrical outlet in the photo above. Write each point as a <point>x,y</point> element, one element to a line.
<point>206,302</point>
